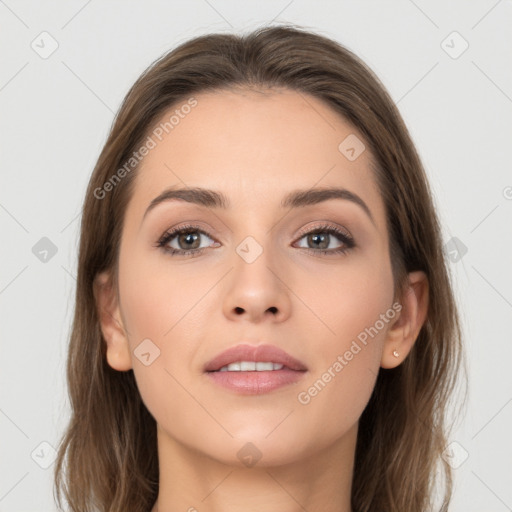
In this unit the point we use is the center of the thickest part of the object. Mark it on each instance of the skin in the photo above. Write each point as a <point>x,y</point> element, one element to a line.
<point>256,146</point>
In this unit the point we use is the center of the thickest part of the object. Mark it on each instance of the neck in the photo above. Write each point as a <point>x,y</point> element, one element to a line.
<point>190,481</point>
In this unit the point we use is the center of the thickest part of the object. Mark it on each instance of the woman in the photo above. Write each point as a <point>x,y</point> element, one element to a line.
<point>264,316</point>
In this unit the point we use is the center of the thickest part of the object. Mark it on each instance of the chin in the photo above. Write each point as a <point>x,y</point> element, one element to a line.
<point>259,451</point>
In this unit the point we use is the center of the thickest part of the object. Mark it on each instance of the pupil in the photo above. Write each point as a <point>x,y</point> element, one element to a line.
<point>186,238</point>
<point>315,237</point>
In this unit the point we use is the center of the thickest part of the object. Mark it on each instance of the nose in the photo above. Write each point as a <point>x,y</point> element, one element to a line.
<point>257,290</point>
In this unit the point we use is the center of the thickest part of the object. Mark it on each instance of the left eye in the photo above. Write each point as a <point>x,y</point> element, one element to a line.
<point>321,239</point>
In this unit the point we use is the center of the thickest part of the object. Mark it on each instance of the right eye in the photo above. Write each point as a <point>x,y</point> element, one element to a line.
<point>185,235</point>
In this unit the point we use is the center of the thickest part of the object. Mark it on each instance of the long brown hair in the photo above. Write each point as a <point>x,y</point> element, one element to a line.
<point>107,459</point>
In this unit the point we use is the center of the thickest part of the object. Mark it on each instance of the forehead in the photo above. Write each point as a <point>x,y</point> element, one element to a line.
<point>255,146</point>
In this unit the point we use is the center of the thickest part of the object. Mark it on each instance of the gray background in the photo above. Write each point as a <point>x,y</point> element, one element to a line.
<point>56,113</point>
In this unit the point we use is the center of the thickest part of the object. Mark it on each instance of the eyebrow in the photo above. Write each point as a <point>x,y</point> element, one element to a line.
<point>295,199</point>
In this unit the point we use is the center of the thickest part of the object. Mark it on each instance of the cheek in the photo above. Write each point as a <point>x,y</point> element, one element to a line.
<point>354,303</point>
<point>343,300</point>
<point>164,313</point>
<point>155,296</point>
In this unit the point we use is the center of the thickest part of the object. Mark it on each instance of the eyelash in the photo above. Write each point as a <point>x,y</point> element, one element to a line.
<point>324,228</point>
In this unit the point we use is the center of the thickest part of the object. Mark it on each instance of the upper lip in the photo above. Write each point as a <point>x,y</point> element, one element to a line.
<point>257,353</point>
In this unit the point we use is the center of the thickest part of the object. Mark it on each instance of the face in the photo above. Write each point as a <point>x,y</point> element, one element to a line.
<point>312,278</point>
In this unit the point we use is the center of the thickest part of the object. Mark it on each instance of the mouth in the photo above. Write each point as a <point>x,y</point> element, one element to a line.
<point>244,357</point>
<point>248,369</point>
<point>252,366</point>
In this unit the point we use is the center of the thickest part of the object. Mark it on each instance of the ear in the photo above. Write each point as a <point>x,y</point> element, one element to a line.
<point>402,335</point>
<point>114,333</point>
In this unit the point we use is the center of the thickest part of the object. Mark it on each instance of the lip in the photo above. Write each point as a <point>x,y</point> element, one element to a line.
<point>257,353</point>
<point>255,382</point>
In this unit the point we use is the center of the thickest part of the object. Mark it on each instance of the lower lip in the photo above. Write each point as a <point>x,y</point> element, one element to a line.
<point>255,383</point>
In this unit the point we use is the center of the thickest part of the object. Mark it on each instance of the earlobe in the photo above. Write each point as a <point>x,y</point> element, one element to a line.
<point>112,329</point>
<point>404,332</point>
